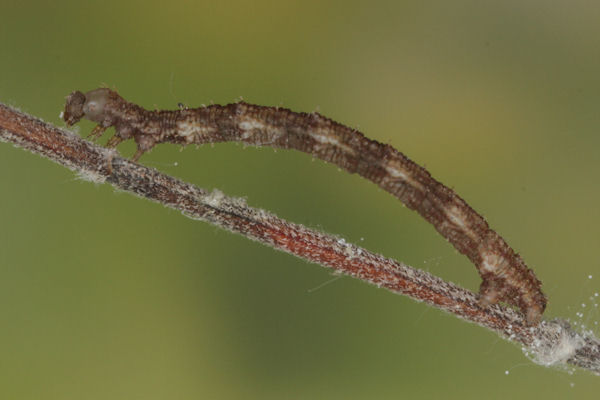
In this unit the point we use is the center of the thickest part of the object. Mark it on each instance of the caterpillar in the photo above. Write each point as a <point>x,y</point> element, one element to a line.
<point>505,276</point>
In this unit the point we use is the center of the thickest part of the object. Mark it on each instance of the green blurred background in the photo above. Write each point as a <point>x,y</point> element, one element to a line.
<point>106,296</point>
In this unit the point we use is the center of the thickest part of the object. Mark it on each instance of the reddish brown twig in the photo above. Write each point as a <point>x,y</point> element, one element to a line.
<point>549,343</point>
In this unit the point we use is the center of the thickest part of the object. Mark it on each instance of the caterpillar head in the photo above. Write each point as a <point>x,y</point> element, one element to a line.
<point>90,106</point>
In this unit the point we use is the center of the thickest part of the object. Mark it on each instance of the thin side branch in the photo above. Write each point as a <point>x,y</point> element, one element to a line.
<point>548,343</point>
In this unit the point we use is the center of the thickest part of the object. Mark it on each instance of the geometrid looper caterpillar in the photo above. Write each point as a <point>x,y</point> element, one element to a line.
<point>505,275</point>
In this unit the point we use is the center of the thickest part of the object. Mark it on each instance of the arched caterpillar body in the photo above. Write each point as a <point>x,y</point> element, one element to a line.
<point>505,275</point>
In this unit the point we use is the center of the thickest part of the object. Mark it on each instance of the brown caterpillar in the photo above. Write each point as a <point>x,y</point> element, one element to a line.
<point>505,275</point>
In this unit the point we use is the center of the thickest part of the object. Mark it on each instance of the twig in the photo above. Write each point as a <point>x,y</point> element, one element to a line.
<point>548,343</point>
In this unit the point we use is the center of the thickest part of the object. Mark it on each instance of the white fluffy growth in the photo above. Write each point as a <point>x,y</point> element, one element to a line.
<point>215,198</point>
<point>558,344</point>
<point>91,176</point>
